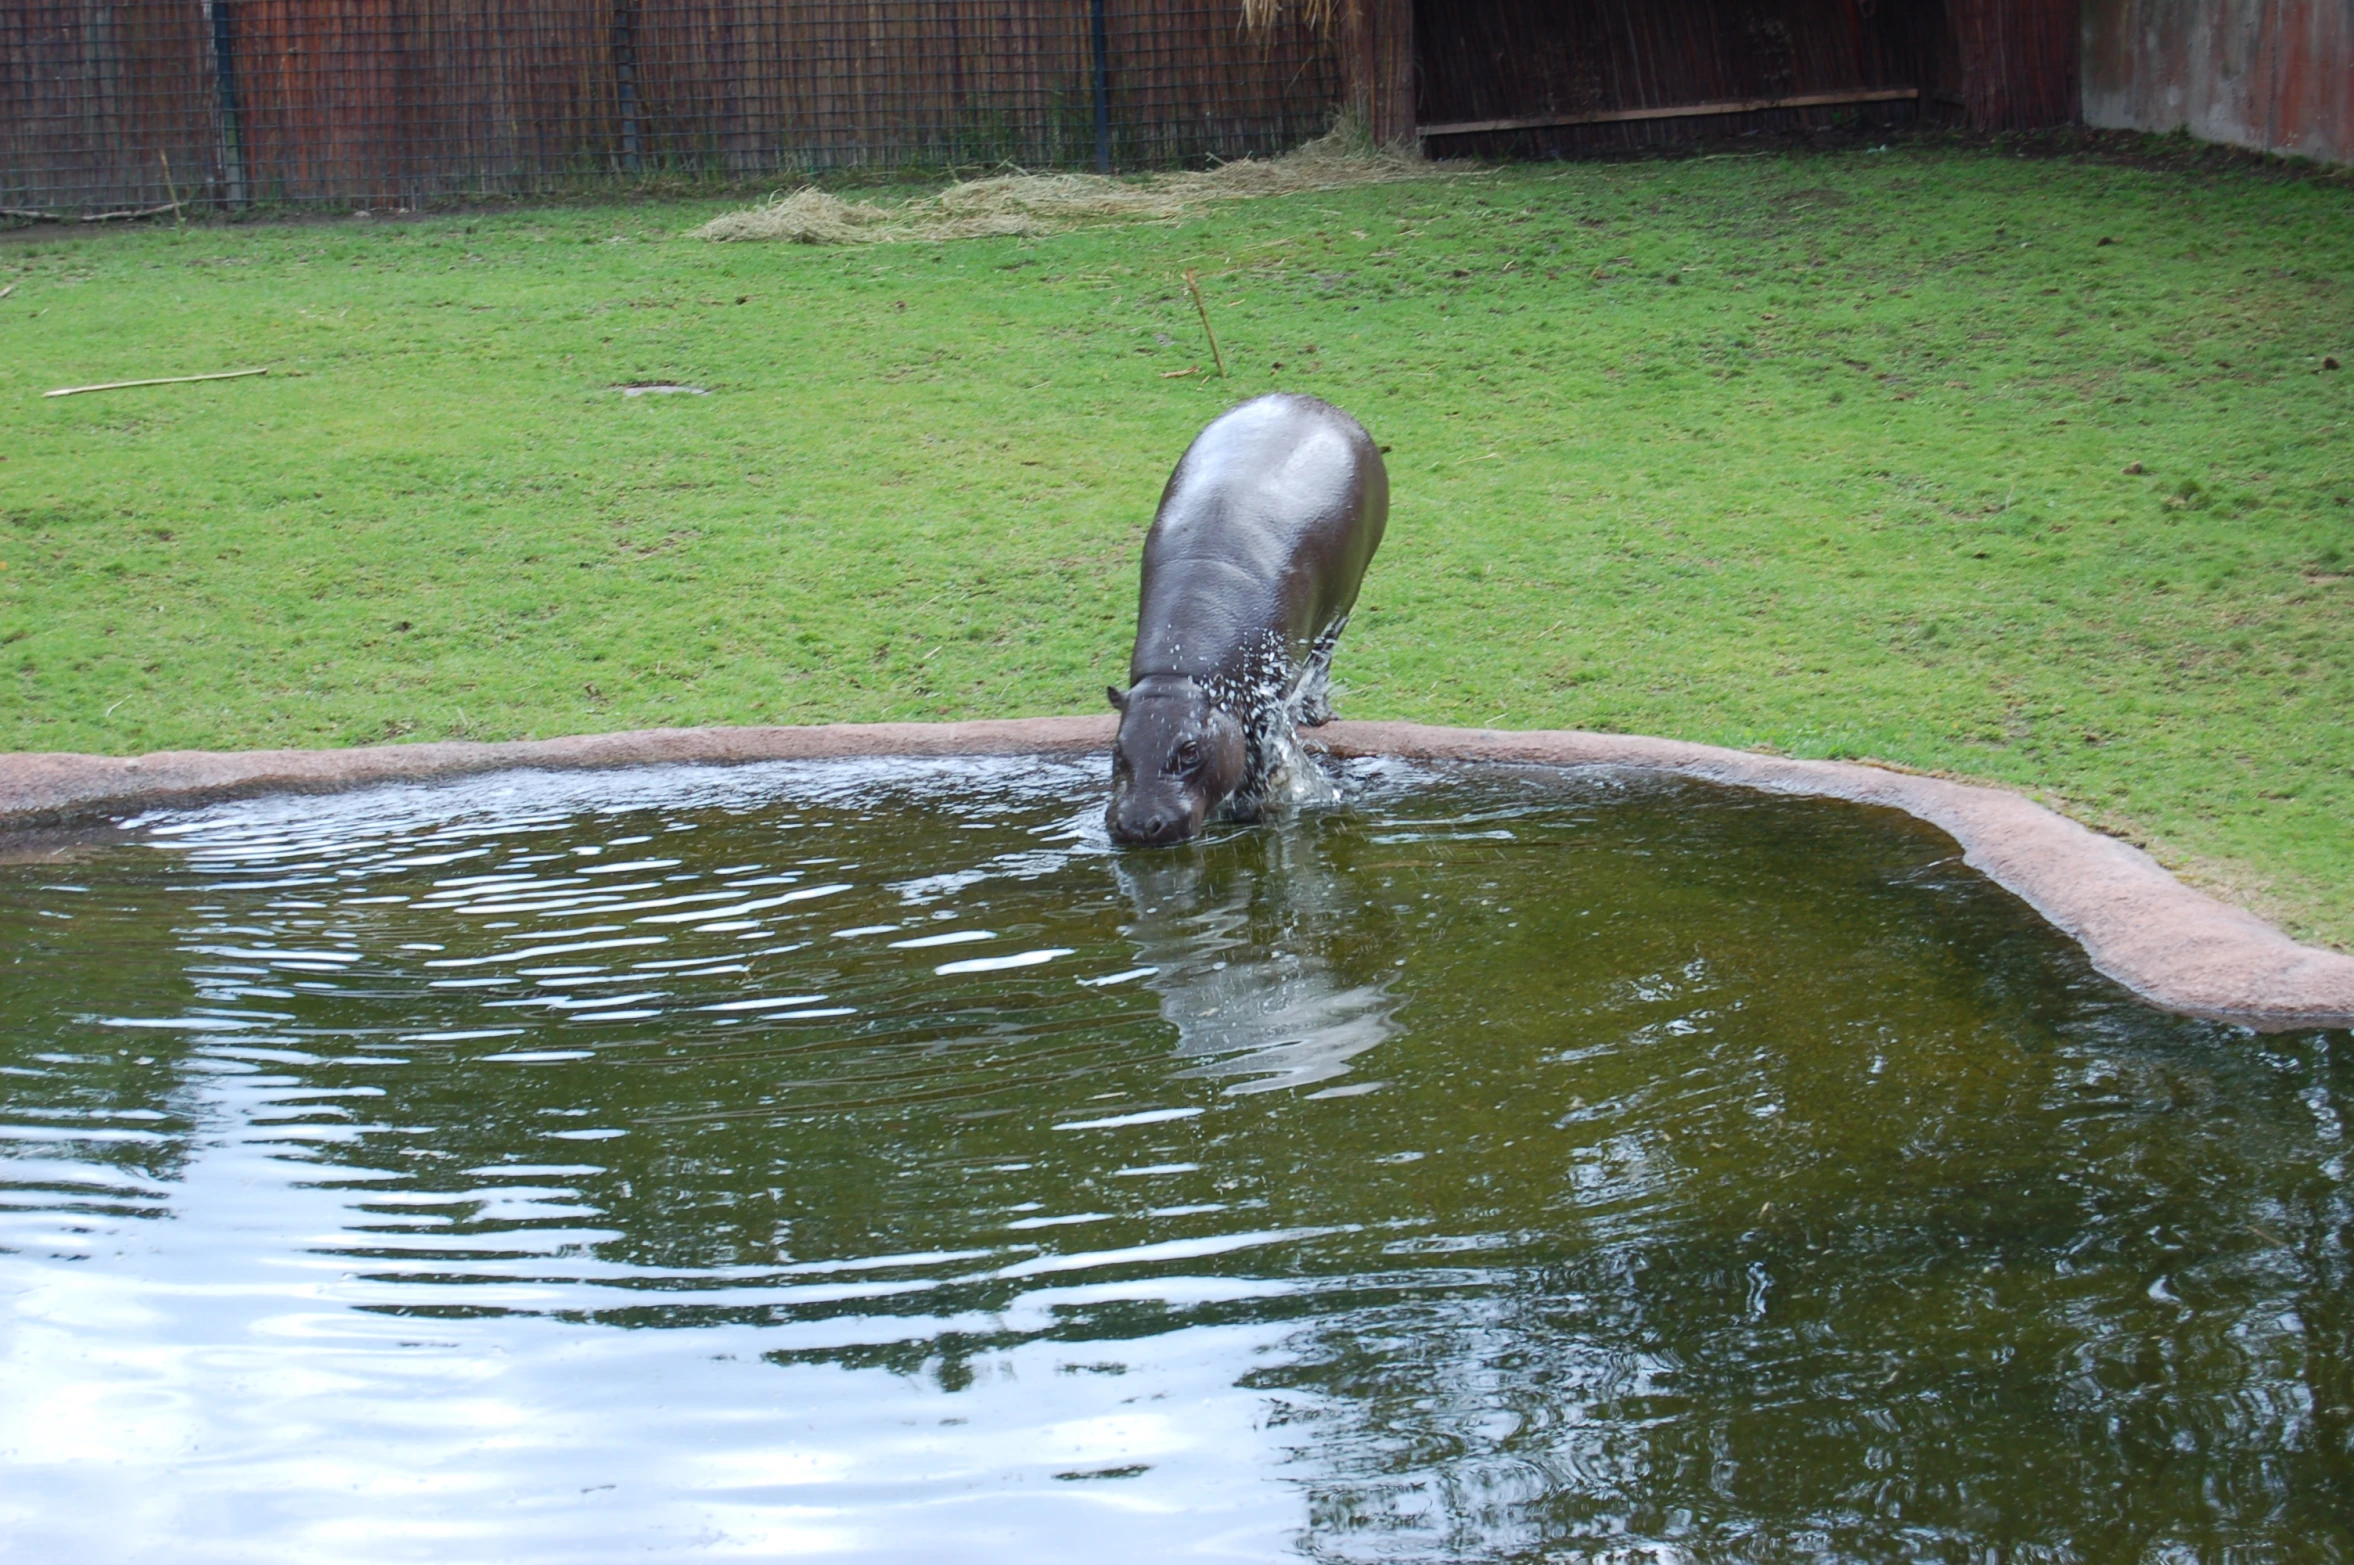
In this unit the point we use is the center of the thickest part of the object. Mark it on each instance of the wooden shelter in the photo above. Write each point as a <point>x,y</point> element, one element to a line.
<point>1504,76</point>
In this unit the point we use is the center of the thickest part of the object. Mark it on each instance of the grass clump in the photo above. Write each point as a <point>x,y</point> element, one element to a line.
<point>2029,471</point>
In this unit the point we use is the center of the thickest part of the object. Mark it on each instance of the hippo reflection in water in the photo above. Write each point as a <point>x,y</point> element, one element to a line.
<point>1247,950</point>
<point>1250,570</point>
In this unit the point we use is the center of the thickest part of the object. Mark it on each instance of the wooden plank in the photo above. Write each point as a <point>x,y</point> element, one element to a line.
<point>1377,64</point>
<point>1391,116</point>
<point>1804,100</point>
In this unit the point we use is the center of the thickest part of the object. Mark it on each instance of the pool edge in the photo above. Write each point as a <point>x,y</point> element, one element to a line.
<point>2175,947</point>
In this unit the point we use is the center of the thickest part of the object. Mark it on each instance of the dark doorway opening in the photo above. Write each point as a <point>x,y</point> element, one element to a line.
<point>1535,76</point>
<point>1504,78</point>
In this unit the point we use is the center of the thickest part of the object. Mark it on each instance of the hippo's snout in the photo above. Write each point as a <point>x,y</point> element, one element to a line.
<point>1154,822</point>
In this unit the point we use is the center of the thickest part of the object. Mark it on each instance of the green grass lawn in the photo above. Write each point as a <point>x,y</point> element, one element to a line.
<point>2021,469</point>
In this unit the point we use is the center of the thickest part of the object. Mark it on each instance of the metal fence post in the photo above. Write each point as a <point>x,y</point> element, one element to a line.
<point>625,74</point>
<point>233,190</point>
<point>1103,87</point>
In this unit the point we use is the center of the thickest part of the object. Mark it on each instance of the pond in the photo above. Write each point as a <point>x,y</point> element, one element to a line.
<point>863,1159</point>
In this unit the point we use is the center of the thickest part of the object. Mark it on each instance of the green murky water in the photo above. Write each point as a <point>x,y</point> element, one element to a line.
<point>862,1160</point>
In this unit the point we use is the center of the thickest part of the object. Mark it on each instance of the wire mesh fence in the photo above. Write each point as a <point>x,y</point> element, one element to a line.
<point>122,106</point>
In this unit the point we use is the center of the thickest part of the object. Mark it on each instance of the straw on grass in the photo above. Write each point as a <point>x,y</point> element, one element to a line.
<point>1033,204</point>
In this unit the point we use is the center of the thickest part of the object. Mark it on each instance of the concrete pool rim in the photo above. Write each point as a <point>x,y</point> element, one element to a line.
<point>2175,947</point>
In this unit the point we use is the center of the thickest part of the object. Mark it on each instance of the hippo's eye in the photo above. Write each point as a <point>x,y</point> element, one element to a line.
<point>1189,755</point>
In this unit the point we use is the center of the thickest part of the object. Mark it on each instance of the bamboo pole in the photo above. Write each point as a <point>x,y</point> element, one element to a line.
<point>162,380</point>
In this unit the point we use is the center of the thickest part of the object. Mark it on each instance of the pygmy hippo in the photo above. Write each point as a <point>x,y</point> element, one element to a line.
<point>1250,570</point>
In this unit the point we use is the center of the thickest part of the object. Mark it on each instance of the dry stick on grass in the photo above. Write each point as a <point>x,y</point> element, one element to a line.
<point>145,211</point>
<point>163,380</point>
<point>5,292</point>
<point>1195,288</point>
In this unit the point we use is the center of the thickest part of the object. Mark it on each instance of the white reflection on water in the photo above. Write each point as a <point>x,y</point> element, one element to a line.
<point>1242,953</point>
<point>203,1389</point>
<point>313,1360</point>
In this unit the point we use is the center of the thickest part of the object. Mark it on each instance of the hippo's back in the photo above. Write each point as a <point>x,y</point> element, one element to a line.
<point>1266,527</point>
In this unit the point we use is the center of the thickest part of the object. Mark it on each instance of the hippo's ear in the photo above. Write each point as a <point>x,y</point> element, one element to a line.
<point>1119,696</point>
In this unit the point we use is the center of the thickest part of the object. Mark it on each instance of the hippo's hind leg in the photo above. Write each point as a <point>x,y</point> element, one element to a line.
<point>1312,694</point>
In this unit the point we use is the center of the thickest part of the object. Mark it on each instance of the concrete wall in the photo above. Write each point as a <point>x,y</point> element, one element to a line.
<point>2276,75</point>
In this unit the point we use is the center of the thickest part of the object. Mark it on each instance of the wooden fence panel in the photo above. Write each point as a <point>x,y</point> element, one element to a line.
<point>105,106</point>
<point>403,101</point>
<point>2018,61</point>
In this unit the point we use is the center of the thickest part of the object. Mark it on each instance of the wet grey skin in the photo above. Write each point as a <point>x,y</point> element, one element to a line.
<point>1251,567</point>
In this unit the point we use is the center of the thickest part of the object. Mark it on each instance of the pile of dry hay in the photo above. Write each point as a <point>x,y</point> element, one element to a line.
<point>1025,204</point>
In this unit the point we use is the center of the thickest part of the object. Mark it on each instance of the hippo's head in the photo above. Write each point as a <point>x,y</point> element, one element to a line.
<point>1177,758</point>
